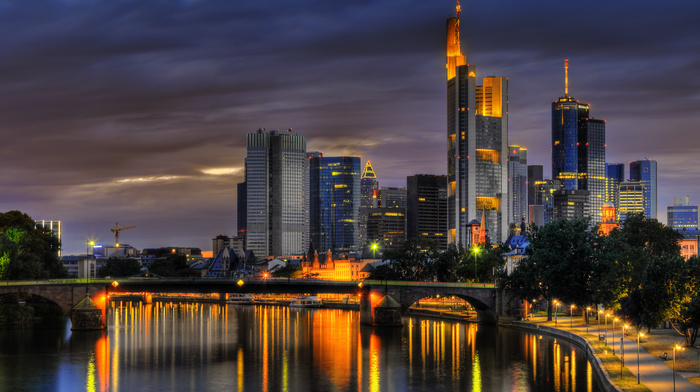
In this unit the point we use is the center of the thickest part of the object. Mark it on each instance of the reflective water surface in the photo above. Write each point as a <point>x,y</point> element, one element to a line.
<point>210,347</point>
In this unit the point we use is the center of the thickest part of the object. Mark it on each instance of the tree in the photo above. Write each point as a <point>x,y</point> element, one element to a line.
<point>27,252</point>
<point>288,271</point>
<point>119,268</point>
<point>560,263</point>
<point>173,266</point>
<point>414,260</point>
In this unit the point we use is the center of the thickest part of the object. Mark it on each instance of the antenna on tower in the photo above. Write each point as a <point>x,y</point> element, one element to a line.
<point>566,77</point>
<point>459,8</point>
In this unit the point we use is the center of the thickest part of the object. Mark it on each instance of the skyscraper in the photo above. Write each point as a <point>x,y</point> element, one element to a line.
<point>426,212</point>
<point>544,196</point>
<point>477,145</point>
<point>392,197</point>
<point>631,198</point>
<point>369,186</point>
<point>682,216</point>
<point>614,176</point>
<point>277,178</point>
<point>645,172</point>
<point>534,173</point>
<point>578,149</point>
<point>334,199</point>
<point>517,184</point>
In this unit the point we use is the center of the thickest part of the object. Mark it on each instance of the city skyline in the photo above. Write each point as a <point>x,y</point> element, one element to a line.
<point>137,113</point>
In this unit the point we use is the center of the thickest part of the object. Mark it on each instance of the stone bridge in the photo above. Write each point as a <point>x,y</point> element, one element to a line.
<point>488,302</point>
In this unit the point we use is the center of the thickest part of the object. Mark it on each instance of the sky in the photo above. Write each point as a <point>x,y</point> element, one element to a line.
<point>136,112</point>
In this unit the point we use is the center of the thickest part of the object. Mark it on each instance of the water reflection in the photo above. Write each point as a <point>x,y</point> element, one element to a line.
<point>193,347</point>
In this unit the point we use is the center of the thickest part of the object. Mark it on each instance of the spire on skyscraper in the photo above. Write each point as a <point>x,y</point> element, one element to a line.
<point>455,58</point>
<point>368,172</point>
<point>566,77</point>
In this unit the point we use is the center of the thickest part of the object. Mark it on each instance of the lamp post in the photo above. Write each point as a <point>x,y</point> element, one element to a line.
<point>571,308</point>
<point>606,328</point>
<point>600,312</point>
<point>475,250</point>
<point>88,259</point>
<point>556,309</point>
<point>622,348</point>
<point>638,335</point>
<point>588,312</point>
<point>374,250</point>
<point>675,347</point>
<point>613,332</point>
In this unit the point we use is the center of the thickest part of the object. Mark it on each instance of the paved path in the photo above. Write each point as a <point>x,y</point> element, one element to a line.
<point>653,372</point>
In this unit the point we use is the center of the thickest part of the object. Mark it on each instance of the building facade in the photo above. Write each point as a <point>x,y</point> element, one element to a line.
<point>544,196</point>
<point>614,176</point>
<point>392,197</point>
<point>571,204</point>
<point>534,173</point>
<point>644,171</point>
<point>369,187</point>
<point>54,228</point>
<point>386,227</point>
<point>426,213</point>
<point>682,216</point>
<point>517,185</point>
<point>334,202</point>
<point>277,183</point>
<point>477,145</point>
<point>631,198</point>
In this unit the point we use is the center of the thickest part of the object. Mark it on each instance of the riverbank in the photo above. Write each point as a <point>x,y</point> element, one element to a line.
<point>619,357</point>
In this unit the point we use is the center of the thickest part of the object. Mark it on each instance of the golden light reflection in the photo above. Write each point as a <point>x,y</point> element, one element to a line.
<point>102,362</point>
<point>476,374</point>
<point>374,376</point>
<point>557,366</point>
<point>240,369</point>
<point>90,379</point>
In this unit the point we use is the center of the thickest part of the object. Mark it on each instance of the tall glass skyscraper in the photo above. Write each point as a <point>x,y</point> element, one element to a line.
<point>334,192</point>
<point>517,184</point>
<point>645,172</point>
<point>369,188</point>
<point>682,216</point>
<point>477,146</point>
<point>578,149</point>
<point>277,178</point>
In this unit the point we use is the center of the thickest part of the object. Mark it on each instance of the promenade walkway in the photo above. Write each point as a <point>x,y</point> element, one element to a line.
<point>654,373</point>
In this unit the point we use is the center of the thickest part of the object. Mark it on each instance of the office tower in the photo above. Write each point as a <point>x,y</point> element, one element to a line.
<point>517,185</point>
<point>631,198</point>
<point>54,228</point>
<point>334,203</point>
<point>571,204</point>
<point>426,212</point>
<point>578,149</point>
<point>536,214</point>
<point>386,227</point>
<point>614,176</point>
<point>645,172</point>
<point>369,186</point>
<point>534,173</point>
<point>242,217</point>
<point>277,178</point>
<point>477,146</point>
<point>682,216</point>
<point>392,197</point>
<point>544,196</point>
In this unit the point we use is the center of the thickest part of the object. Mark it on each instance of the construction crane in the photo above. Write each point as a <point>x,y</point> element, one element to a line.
<point>116,231</point>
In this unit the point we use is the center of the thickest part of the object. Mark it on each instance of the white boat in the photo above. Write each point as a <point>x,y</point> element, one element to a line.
<point>241,299</point>
<point>305,302</point>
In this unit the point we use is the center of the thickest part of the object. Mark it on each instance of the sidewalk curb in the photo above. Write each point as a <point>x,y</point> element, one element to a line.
<point>596,364</point>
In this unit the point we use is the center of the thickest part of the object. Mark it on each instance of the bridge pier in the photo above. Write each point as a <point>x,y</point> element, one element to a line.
<point>379,311</point>
<point>86,316</point>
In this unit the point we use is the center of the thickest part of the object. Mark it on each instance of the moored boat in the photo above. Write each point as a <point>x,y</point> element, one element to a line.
<point>305,302</point>
<point>241,299</point>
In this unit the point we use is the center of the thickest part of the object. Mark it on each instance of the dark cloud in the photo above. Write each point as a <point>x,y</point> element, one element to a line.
<point>117,110</point>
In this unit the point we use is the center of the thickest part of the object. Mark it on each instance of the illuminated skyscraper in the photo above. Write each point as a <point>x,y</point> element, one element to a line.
<point>682,216</point>
<point>369,187</point>
<point>578,149</point>
<point>614,176</point>
<point>277,178</point>
<point>517,183</point>
<point>334,198</point>
<point>477,146</point>
<point>53,227</point>
<point>645,172</point>
<point>631,198</point>
<point>426,212</point>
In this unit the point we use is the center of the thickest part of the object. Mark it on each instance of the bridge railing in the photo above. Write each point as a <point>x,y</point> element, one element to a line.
<point>54,282</point>
<point>427,284</point>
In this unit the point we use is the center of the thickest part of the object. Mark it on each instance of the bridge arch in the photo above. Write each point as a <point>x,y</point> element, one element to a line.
<point>65,296</point>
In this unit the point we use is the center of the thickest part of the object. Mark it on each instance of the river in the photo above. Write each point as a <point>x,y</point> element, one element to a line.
<point>211,347</point>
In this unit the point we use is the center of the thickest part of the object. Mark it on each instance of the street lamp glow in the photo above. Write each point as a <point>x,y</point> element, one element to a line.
<point>639,334</point>
<point>475,250</point>
<point>571,308</point>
